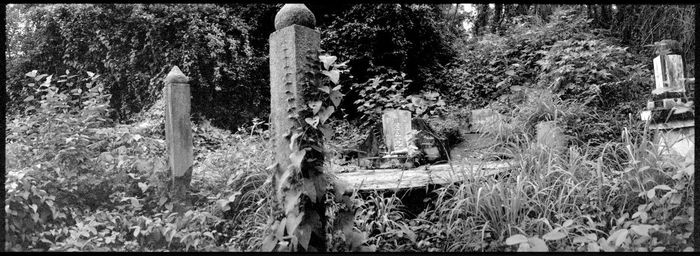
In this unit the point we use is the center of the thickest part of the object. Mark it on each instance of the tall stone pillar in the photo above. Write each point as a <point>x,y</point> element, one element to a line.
<point>178,132</point>
<point>294,49</point>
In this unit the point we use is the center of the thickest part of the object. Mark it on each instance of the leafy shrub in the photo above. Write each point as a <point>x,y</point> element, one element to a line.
<point>387,91</point>
<point>53,146</point>
<point>135,45</point>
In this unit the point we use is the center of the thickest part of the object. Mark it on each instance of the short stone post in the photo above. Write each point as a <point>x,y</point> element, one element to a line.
<point>294,49</point>
<point>178,132</point>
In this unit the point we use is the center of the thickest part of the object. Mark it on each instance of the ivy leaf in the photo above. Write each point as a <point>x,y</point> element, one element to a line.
<point>325,89</point>
<point>325,114</point>
<point>293,221</point>
<point>297,157</point>
<point>309,189</point>
<point>312,121</point>
<point>269,243</point>
<point>327,60</point>
<point>315,106</point>
<point>336,96</point>
<point>31,74</point>
<point>280,227</point>
<point>334,75</point>
<point>642,230</point>
<point>90,74</point>
<point>223,203</point>
<point>143,187</point>
<point>290,204</point>
<point>30,98</point>
<point>293,141</point>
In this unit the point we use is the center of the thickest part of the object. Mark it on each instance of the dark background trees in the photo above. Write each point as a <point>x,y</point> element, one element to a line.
<point>223,48</point>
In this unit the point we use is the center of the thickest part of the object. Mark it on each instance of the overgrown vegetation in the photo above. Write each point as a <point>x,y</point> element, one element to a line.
<point>77,180</point>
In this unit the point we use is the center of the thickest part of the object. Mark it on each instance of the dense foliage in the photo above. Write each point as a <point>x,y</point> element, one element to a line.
<point>77,180</point>
<point>135,45</point>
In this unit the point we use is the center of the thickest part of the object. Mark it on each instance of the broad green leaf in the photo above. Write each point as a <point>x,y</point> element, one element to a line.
<point>642,229</point>
<point>510,72</point>
<point>568,223</point>
<point>554,235</point>
<point>143,187</point>
<point>30,98</point>
<point>327,60</point>
<point>325,89</point>
<point>303,233</point>
<point>621,237</point>
<point>31,74</point>
<point>309,189</point>
<point>664,187</point>
<point>312,121</point>
<point>651,194</point>
<point>293,141</point>
<point>291,200</point>
<point>293,221</point>
<point>39,77</point>
<point>315,106</point>
<point>581,240</point>
<point>325,114</point>
<point>223,204</point>
<point>658,249</point>
<point>516,239</point>
<point>334,75</point>
<point>268,244</point>
<point>336,97</point>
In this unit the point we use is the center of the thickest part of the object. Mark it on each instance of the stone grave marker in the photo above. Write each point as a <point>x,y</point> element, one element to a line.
<point>178,131</point>
<point>481,119</point>
<point>396,126</point>
<point>294,50</point>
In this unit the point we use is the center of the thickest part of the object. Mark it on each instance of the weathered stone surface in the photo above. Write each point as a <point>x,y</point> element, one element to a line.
<point>176,76</point>
<point>550,136</point>
<point>292,51</point>
<point>422,176</point>
<point>482,119</point>
<point>294,14</point>
<point>677,141</point>
<point>668,74</point>
<point>178,128</point>
<point>396,126</point>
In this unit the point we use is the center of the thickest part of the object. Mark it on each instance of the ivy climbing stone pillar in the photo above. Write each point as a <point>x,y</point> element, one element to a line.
<point>299,180</point>
<point>178,131</point>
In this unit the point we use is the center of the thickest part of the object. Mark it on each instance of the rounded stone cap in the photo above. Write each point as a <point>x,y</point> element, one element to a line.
<point>292,14</point>
<point>175,76</point>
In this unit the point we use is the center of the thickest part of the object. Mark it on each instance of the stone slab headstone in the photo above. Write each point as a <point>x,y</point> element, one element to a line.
<point>668,74</point>
<point>396,126</point>
<point>481,119</point>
